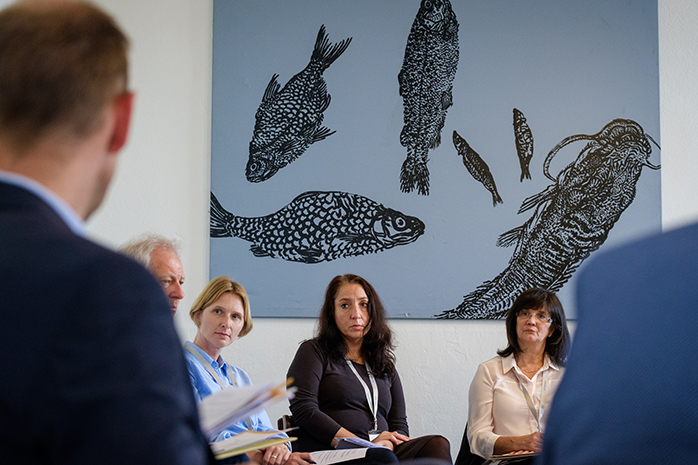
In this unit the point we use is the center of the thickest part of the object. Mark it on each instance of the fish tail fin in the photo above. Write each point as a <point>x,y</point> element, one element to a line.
<point>415,174</point>
<point>327,53</point>
<point>525,173</point>
<point>220,219</point>
<point>496,198</point>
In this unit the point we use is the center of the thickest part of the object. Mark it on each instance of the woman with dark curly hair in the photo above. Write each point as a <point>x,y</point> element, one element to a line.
<point>346,378</point>
<point>511,393</point>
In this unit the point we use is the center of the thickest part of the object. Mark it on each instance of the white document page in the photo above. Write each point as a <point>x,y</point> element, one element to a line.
<point>326,457</point>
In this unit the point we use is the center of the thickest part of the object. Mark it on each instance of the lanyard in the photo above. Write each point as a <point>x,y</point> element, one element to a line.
<point>209,368</point>
<point>372,401</point>
<point>537,413</point>
<point>248,421</point>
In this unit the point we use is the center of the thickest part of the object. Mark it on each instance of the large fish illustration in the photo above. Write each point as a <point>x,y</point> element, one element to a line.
<point>571,218</point>
<point>290,119</point>
<point>524,143</point>
<point>426,84</point>
<point>476,166</point>
<point>319,226</point>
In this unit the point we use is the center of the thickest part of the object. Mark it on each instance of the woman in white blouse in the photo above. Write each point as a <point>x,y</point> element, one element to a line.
<point>511,393</point>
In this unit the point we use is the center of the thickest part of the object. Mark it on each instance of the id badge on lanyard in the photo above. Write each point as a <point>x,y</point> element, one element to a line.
<point>372,400</point>
<point>537,414</point>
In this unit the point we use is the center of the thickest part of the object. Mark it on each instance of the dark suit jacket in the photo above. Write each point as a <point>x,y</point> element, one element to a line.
<point>91,369</point>
<point>630,391</point>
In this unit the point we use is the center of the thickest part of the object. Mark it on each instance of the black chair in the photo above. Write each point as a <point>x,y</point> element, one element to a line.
<point>465,456</point>
<point>284,422</point>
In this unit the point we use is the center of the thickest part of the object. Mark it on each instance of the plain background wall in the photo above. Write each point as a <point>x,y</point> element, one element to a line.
<point>162,185</point>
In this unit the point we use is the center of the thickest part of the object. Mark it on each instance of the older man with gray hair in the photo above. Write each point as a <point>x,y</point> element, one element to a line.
<point>160,256</point>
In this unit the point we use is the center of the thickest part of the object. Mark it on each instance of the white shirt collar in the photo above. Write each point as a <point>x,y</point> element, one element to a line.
<point>509,362</point>
<point>57,204</point>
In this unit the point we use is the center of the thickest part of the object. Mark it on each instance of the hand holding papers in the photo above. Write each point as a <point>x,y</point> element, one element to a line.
<point>245,442</point>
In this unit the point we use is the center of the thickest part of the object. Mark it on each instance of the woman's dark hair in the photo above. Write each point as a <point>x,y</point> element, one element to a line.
<point>557,345</point>
<point>377,348</point>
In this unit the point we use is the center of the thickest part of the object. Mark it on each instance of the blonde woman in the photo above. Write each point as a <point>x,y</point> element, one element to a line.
<point>222,314</point>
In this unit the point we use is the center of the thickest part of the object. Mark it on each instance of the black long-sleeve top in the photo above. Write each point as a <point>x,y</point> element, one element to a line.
<point>330,396</point>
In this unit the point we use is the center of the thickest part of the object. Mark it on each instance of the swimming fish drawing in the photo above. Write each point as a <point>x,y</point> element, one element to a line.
<point>572,217</point>
<point>289,120</point>
<point>426,85</point>
<point>319,226</point>
<point>524,143</point>
<point>476,166</point>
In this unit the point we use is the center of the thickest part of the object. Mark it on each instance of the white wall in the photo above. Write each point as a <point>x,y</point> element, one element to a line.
<point>163,185</point>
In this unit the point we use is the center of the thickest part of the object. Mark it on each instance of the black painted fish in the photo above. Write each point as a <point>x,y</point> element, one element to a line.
<point>524,143</point>
<point>571,218</point>
<point>289,120</point>
<point>426,85</point>
<point>476,166</point>
<point>319,226</point>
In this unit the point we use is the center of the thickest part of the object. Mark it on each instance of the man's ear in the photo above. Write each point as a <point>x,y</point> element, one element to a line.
<point>122,107</point>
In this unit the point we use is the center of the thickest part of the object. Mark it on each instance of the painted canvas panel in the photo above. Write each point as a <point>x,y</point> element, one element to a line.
<point>453,154</point>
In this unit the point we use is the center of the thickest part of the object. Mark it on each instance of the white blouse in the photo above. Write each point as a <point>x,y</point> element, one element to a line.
<point>497,406</point>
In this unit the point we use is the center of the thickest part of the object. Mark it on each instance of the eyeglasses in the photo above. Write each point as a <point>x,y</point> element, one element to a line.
<point>539,317</point>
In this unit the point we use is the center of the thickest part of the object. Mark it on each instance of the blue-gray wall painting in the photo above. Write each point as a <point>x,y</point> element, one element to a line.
<point>453,154</point>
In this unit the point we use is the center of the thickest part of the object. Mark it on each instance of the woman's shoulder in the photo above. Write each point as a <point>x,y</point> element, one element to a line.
<point>310,346</point>
<point>312,353</point>
<point>496,360</point>
<point>495,364</point>
<point>314,342</point>
<point>309,358</point>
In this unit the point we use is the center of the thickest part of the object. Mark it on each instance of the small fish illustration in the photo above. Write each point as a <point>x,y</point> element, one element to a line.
<point>476,166</point>
<point>289,120</point>
<point>426,87</point>
<point>524,143</point>
<point>572,217</point>
<point>319,226</point>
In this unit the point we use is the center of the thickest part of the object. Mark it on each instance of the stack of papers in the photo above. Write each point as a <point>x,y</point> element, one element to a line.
<point>328,457</point>
<point>234,404</point>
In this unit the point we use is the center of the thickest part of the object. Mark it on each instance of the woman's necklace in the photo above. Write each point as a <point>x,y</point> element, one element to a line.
<point>530,371</point>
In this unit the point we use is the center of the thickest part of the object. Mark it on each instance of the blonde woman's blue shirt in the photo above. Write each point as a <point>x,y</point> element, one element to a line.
<point>204,385</point>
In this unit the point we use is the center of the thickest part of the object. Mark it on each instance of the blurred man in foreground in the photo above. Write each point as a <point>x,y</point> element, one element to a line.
<point>630,393</point>
<point>92,370</point>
